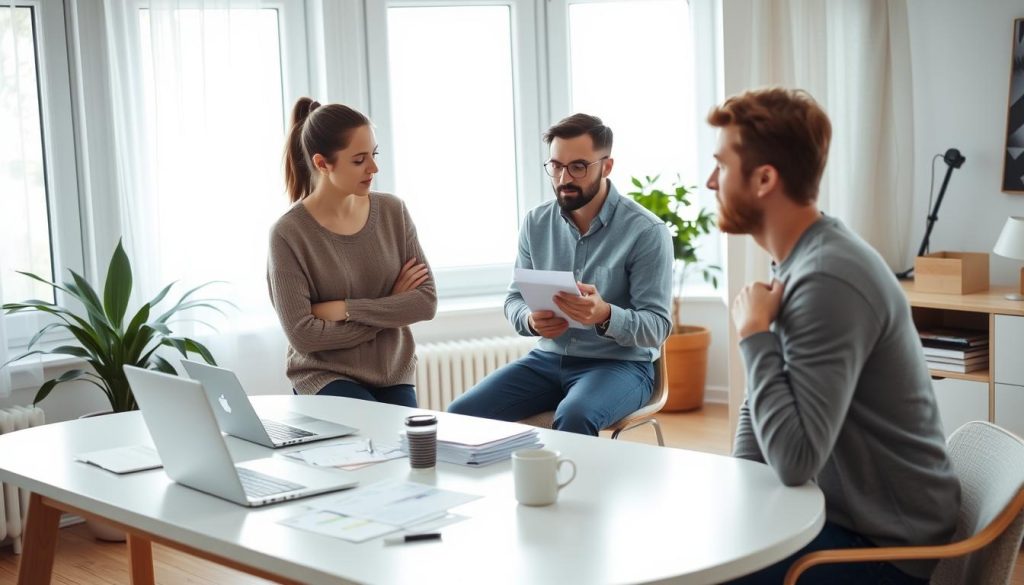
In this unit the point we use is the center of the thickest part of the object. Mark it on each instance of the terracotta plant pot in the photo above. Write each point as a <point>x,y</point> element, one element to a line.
<point>686,355</point>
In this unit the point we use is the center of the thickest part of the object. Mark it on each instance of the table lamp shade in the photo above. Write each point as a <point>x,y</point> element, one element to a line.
<point>1011,245</point>
<point>1011,239</point>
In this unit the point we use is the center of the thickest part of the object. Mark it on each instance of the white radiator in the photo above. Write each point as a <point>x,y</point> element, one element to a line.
<point>448,369</point>
<point>14,500</point>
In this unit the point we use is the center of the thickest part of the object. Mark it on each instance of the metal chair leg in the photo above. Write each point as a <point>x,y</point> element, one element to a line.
<point>651,421</point>
<point>657,431</point>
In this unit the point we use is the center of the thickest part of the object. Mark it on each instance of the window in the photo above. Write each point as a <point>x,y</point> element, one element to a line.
<point>609,79</point>
<point>463,129</point>
<point>465,126</point>
<point>454,143</point>
<point>214,92</point>
<point>25,223</point>
<point>634,63</point>
<point>39,221</point>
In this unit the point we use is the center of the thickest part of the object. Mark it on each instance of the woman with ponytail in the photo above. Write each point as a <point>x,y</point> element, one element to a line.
<point>346,272</point>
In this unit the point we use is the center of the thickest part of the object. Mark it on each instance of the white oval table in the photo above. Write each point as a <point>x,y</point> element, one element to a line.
<point>634,514</point>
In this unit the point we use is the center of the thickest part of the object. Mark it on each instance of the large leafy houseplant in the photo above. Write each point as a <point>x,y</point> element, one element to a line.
<point>104,339</point>
<point>668,206</point>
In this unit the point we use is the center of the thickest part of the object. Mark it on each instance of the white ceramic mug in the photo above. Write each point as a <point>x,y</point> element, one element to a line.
<point>536,476</point>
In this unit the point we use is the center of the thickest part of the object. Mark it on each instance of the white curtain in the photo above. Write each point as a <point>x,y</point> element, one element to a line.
<point>854,58</point>
<point>5,352</point>
<point>22,211</point>
<point>199,131</point>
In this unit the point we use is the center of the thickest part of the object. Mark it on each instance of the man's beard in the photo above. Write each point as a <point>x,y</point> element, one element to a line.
<point>582,197</point>
<point>739,217</point>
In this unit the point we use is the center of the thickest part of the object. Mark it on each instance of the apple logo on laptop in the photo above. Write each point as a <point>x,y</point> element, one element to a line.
<point>224,404</point>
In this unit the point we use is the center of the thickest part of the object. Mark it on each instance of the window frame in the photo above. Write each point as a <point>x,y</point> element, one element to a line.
<point>60,160</point>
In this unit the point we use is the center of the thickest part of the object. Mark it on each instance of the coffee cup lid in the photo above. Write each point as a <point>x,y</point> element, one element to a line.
<point>420,420</point>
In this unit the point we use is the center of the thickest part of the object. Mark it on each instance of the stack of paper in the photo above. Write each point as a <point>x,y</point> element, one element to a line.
<point>476,442</point>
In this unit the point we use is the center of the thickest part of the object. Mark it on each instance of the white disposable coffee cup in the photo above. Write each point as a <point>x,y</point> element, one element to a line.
<point>536,475</point>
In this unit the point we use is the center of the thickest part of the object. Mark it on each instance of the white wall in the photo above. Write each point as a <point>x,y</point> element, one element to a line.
<point>960,58</point>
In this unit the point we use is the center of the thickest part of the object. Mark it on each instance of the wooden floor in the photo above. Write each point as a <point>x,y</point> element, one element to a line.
<point>82,560</point>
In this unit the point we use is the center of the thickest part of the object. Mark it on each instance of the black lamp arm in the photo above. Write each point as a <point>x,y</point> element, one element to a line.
<point>954,160</point>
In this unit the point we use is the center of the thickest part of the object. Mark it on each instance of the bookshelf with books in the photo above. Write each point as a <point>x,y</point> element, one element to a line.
<point>981,336</point>
<point>951,350</point>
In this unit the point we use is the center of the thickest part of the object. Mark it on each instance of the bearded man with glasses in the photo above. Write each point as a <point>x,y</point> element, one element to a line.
<point>621,257</point>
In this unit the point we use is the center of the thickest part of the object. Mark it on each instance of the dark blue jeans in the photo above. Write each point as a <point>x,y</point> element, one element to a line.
<point>586,394</point>
<point>400,394</point>
<point>833,536</point>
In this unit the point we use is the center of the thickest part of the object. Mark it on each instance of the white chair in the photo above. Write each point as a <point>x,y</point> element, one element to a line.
<point>990,464</point>
<point>639,417</point>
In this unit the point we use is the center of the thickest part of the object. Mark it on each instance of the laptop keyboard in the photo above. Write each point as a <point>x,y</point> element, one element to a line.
<point>259,485</point>
<point>280,432</point>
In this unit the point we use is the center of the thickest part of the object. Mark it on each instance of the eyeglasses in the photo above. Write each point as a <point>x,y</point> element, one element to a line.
<point>577,168</point>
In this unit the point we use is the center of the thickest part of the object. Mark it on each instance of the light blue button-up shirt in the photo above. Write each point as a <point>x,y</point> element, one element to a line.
<point>626,254</point>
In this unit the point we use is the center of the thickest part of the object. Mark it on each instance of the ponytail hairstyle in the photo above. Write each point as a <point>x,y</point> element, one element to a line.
<point>315,129</point>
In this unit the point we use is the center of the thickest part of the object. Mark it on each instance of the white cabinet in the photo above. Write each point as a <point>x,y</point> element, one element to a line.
<point>1010,408</point>
<point>1008,345</point>
<point>961,401</point>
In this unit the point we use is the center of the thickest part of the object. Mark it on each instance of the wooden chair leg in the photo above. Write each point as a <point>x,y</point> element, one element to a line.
<point>40,542</point>
<point>140,559</point>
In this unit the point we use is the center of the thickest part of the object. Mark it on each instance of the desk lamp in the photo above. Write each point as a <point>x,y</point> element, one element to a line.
<point>1011,245</point>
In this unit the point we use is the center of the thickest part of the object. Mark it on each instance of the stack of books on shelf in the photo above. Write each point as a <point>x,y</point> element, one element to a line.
<point>479,442</point>
<point>955,350</point>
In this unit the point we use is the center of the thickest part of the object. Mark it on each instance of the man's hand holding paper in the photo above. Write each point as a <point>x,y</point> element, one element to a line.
<point>588,309</point>
<point>548,324</point>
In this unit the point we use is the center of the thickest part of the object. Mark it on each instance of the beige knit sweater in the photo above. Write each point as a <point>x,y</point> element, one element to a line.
<point>309,264</point>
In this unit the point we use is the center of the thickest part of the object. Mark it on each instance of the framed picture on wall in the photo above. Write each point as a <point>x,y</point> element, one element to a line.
<point>1013,163</point>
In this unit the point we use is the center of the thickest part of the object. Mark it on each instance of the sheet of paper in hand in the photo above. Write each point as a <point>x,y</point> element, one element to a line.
<point>538,288</point>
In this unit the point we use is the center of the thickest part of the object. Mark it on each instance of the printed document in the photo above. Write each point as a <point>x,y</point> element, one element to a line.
<point>538,288</point>
<point>396,502</point>
<point>348,455</point>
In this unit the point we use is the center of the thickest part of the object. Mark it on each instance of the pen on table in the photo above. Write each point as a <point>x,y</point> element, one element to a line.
<point>418,537</point>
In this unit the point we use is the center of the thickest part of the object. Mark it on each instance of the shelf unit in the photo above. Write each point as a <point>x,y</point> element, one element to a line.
<point>991,312</point>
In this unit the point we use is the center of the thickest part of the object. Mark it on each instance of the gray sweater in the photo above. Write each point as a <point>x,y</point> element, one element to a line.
<point>309,264</point>
<point>838,392</point>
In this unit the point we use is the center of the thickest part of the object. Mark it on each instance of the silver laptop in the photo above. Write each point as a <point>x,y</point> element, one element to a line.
<point>194,454</point>
<point>237,417</point>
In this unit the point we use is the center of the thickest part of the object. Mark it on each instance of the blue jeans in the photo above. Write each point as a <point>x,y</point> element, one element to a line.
<point>586,394</point>
<point>834,536</point>
<point>400,394</point>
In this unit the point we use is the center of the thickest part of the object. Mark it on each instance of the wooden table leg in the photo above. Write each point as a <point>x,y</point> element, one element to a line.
<point>140,560</point>
<point>39,542</point>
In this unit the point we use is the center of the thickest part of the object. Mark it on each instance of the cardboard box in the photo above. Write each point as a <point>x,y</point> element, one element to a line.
<point>956,273</point>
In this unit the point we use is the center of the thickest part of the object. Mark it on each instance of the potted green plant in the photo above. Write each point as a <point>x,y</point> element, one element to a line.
<point>106,342</point>
<point>104,339</point>
<point>686,349</point>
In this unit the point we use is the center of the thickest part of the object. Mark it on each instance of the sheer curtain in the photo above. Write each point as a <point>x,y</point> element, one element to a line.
<point>199,131</point>
<point>854,58</point>
<point>24,239</point>
<point>5,353</point>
